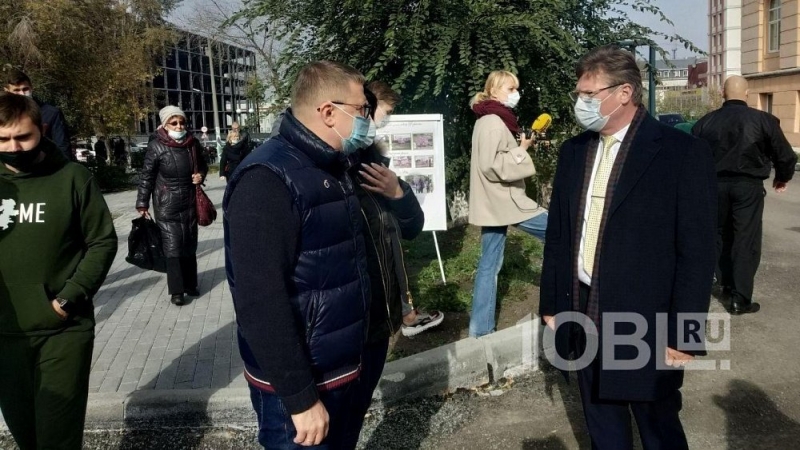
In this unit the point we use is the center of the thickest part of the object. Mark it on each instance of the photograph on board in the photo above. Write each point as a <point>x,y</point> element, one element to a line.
<point>401,142</point>
<point>401,162</point>
<point>420,184</point>
<point>423,161</point>
<point>423,141</point>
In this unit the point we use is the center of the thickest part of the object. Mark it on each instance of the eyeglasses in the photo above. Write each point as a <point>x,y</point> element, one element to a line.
<point>574,95</point>
<point>175,124</point>
<point>365,110</point>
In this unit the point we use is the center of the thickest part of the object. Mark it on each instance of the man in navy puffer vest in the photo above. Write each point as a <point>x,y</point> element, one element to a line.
<point>296,263</point>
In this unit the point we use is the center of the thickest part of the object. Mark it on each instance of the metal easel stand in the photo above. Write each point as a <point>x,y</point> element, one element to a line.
<point>439,256</point>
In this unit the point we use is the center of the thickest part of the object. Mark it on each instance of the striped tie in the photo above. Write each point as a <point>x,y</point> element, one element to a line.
<point>598,200</point>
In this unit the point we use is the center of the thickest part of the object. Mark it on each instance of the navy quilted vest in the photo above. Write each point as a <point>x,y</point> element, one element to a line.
<point>330,286</point>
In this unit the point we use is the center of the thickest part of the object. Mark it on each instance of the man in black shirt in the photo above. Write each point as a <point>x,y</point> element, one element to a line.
<point>53,124</point>
<point>746,143</point>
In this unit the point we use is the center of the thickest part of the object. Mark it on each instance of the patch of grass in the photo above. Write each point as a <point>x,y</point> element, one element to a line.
<point>461,248</point>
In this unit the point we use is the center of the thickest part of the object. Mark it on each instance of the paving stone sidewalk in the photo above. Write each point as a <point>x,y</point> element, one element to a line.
<point>143,342</point>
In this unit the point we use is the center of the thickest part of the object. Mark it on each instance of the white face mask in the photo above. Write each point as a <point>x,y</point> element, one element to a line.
<point>587,113</point>
<point>512,100</point>
<point>177,135</point>
<point>28,93</point>
<point>384,120</point>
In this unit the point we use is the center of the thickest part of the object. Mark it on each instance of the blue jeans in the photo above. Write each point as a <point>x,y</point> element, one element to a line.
<point>484,295</point>
<point>275,427</point>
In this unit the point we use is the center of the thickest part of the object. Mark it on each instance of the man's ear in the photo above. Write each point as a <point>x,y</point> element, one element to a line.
<point>627,94</point>
<point>326,112</point>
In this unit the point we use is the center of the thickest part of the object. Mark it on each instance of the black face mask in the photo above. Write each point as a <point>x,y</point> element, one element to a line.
<point>22,161</point>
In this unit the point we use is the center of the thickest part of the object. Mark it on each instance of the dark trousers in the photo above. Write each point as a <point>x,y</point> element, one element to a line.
<point>276,430</point>
<point>181,274</point>
<point>741,206</point>
<point>371,370</point>
<point>609,421</point>
<point>44,386</point>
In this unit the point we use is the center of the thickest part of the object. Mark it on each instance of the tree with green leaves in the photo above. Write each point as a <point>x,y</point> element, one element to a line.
<point>93,58</point>
<point>437,53</point>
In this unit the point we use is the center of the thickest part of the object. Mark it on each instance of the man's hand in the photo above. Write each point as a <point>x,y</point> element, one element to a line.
<point>57,307</point>
<point>144,213</point>
<point>382,181</point>
<point>677,358</point>
<point>197,178</point>
<point>780,186</point>
<point>550,321</point>
<point>311,425</point>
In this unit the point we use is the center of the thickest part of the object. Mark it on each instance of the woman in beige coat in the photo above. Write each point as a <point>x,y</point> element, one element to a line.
<point>500,164</point>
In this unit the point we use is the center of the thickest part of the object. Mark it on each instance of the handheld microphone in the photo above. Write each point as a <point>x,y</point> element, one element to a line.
<point>542,123</point>
<point>539,126</point>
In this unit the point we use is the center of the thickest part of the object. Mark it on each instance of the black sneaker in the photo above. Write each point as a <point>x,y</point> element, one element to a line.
<point>177,299</point>
<point>192,292</point>
<point>424,321</point>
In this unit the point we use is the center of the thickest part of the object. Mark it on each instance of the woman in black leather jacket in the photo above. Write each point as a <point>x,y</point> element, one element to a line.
<point>173,165</point>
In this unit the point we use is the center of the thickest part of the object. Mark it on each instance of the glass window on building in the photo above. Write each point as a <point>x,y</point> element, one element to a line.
<point>774,24</point>
<point>172,79</point>
<point>766,102</point>
<point>183,60</point>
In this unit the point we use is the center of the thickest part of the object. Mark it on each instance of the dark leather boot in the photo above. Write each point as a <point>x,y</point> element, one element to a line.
<point>177,299</point>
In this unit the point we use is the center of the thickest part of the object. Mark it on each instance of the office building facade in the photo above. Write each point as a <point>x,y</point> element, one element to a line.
<point>724,40</point>
<point>185,81</point>
<point>771,60</point>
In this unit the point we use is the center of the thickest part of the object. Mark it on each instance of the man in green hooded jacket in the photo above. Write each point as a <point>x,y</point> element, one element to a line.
<point>57,243</point>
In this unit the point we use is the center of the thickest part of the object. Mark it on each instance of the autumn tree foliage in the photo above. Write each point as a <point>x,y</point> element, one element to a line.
<point>93,58</point>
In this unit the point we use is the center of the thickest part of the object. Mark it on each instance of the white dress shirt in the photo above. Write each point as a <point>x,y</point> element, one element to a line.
<point>620,136</point>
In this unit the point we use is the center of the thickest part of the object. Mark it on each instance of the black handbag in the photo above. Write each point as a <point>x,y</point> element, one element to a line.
<point>144,246</point>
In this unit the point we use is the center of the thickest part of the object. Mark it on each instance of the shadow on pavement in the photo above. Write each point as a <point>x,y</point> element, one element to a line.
<point>407,423</point>
<point>753,419</point>
<point>548,443</point>
<point>108,305</point>
<point>571,398</point>
<point>204,368</point>
<point>403,426</point>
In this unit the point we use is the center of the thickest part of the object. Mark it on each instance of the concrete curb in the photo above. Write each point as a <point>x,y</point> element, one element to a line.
<point>467,363</point>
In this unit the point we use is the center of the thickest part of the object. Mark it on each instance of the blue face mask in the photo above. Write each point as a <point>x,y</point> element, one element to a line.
<point>362,136</point>
<point>587,113</point>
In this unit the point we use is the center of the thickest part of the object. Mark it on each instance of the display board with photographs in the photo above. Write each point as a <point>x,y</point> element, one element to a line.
<point>415,145</point>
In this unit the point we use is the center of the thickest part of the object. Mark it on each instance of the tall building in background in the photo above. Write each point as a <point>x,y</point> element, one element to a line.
<point>724,40</point>
<point>771,60</point>
<point>185,81</point>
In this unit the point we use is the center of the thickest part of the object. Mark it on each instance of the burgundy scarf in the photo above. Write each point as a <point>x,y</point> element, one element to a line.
<point>488,107</point>
<point>163,136</point>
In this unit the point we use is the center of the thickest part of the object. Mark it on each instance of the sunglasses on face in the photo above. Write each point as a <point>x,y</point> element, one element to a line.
<point>175,124</point>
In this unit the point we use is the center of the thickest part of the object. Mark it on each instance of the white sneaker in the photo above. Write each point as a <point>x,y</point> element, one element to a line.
<point>424,321</point>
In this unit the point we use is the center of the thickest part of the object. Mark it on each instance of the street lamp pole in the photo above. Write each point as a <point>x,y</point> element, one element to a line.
<point>214,104</point>
<point>202,103</point>
<point>651,73</point>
